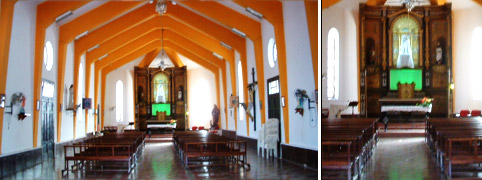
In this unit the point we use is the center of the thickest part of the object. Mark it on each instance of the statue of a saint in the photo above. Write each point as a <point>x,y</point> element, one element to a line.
<point>215,114</point>
<point>438,53</point>
<point>405,58</point>
<point>179,94</point>
<point>71,98</point>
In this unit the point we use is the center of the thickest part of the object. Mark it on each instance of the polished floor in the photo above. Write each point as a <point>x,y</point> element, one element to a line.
<point>160,161</point>
<point>402,158</point>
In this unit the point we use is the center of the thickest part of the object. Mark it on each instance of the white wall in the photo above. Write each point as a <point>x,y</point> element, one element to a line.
<point>67,132</point>
<point>125,74</point>
<point>344,17</point>
<point>201,97</point>
<point>17,134</point>
<point>230,115</point>
<point>464,22</point>
<point>303,129</point>
<point>252,64</point>
<point>241,124</point>
<point>52,35</point>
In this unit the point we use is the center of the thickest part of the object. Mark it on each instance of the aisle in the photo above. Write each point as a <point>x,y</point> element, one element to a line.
<point>402,158</point>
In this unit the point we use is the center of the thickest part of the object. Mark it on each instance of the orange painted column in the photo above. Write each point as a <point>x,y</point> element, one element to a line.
<point>311,8</point>
<point>232,69</point>
<point>244,67</point>
<point>273,12</point>
<point>225,92</point>
<point>46,14</point>
<point>6,18</point>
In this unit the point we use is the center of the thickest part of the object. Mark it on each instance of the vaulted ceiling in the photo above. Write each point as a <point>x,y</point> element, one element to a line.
<point>113,33</point>
<point>328,3</point>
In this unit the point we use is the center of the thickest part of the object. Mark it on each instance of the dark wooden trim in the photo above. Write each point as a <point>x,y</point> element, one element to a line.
<point>252,143</point>
<point>13,163</point>
<point>301,156</point>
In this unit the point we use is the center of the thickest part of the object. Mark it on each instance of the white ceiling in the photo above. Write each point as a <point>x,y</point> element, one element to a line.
<point>462,4</point>
<point>190,65</point>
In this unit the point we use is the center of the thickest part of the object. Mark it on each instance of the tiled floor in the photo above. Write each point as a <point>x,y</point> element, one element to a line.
<point>402,158</point>
<point>160,161</point>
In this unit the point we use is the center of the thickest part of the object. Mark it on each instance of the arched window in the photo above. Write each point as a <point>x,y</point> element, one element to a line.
<point>160,86</point>
<point>81,83</point>
<point>272,53</point>
<point>333,76</point>
<point>48,56</point>
<point>119,101</point>
<point>241,90</point>
<point>476,62</point>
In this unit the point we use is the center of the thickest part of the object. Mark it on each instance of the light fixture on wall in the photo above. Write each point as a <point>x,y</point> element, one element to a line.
<point>161,7</point>
<point>255,13</point>
<point>226,45</point>
<point>217,56</point>
<point>63,16</point>
<point>238,32</point>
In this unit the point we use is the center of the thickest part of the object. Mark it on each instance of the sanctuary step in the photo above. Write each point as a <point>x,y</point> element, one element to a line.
<point>407,125</point>
<point>155,138</point>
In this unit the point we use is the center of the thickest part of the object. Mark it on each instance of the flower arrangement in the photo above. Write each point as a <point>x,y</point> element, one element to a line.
<point>172,122</point>
<point>426,102</point>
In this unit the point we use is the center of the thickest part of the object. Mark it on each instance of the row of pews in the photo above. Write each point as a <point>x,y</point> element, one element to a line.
<point>455,142</point>
<point>200,148</point>
<point>110,152</point>
<point>346,146</point>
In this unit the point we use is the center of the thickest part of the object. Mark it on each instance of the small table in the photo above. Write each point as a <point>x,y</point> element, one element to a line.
<point>401,105</point>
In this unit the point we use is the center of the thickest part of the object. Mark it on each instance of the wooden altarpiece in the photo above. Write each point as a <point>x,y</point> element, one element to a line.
<point>384,32</point>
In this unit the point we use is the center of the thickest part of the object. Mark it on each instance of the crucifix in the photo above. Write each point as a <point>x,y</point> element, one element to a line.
<point>252,89</point>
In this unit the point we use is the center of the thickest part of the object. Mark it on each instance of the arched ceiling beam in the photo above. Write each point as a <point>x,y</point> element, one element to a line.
<point>149,57</point>
<point>243,23</point>
<point>210,28</point>
<point>79,25</point>
<point>174,58</point>
<point>46,14</point>
<point>328,3</point>
<point>126,59</point>
<point>311,9</point>
<point>273,12</point>
<point>216,31</point>
<point>153,23</point>
<point>6,18</point>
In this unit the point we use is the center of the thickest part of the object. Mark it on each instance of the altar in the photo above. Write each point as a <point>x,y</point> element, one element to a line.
<point>402,105</point>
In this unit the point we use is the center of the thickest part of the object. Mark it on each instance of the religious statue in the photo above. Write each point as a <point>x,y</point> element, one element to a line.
<point>438,54</point>
<point>179,94</point>
<point>215,114</point>
<point>71,98</point>
<point>405,58</point>
<point>140,93</point>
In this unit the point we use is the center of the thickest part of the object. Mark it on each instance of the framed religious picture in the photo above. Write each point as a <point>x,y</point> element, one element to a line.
<point>86,103</point>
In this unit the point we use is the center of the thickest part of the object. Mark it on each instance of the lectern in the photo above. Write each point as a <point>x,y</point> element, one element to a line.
<point>353,104</point>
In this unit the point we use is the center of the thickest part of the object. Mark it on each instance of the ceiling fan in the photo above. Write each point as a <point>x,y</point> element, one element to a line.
<point>162,64</point>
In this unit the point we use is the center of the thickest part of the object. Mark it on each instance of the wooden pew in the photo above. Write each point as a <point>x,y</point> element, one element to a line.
<point>348,143</point>
<point>455,141</point>
<point>105,151</point>
<point>204,146</point>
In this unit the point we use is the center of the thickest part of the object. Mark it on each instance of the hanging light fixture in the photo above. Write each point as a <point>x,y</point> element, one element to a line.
<point>161,7</point>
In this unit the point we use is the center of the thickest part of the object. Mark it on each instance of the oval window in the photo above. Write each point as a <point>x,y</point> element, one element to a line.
<point>48,56</point>
<point>272,53</point>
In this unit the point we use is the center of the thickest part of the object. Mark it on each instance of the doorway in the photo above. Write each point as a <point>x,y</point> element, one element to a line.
<point>48,143</point>
<point>274,109</point>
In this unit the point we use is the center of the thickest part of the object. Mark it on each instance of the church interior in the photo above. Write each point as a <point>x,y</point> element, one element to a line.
<point>159,89</point>
<point>400,92</point>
